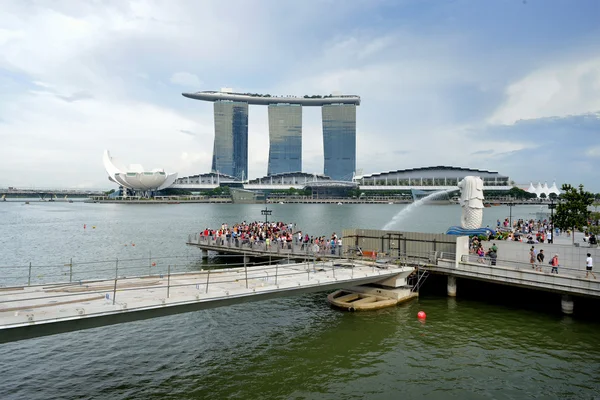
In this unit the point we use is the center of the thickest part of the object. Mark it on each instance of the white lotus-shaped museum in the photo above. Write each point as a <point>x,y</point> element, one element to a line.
<point>135,177</point>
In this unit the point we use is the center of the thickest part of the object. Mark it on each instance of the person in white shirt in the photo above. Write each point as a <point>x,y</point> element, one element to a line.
<point>589,264</point>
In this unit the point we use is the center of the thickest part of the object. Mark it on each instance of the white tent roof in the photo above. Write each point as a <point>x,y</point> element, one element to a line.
<point>538,189</point>
<point>545,189</point>
<point>554,189</point>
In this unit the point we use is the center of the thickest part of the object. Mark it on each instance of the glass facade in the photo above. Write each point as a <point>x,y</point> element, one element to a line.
<point>339,141</point>
<point>285,138</point>
<point>230,151</point>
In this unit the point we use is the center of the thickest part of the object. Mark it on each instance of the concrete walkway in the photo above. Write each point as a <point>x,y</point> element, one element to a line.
<point>32,311</point>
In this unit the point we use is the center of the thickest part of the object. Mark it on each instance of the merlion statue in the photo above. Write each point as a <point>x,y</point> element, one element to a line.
<point>471,201</point>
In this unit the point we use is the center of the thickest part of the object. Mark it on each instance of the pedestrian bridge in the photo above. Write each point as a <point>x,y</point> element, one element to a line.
<point>45,309</point>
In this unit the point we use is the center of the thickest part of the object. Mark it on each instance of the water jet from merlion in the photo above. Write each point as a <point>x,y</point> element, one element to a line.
<point>414,205</point>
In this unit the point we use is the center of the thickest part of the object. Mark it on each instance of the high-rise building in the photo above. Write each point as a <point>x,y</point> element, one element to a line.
<point>339,140</point>
<point>285,138</point>
<point>230,154</point>
<point>230,151</point>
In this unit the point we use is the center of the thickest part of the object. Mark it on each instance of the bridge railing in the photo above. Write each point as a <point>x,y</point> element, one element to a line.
<point>74,270</point>
<point>525,266</point>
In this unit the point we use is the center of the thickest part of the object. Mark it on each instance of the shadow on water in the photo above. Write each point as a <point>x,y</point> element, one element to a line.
<point>512,297</point>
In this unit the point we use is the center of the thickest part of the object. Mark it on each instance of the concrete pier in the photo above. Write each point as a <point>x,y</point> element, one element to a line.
<point>32,311</point>
<point>451,286</point>
<point>450,256</point>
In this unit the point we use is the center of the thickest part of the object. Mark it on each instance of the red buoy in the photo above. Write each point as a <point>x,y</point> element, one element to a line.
<point>421,315</point>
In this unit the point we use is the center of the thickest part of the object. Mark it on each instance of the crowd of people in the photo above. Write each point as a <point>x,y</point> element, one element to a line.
<point>529,231</point>
<point>271,235</point>
<point>532,232</point>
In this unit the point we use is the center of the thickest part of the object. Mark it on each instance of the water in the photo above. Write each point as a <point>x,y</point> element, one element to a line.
<point>472,347</point>
<point>394,223</point>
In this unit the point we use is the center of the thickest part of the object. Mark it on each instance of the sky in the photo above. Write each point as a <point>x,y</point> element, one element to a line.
<point>506,85</point>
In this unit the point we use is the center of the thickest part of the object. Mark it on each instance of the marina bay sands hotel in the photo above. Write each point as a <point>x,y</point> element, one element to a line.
<point>230,151</point>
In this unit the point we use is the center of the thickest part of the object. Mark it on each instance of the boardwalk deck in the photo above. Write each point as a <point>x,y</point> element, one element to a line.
<point>31,311</point>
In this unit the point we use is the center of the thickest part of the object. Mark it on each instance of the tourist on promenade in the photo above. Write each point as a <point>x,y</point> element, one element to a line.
<point>554,263</point>
<point>589,264</point>
<point>492,255</point>
<point>592,240</point>
<point>532,257</point>
<point>540,259</point>
<point>480,255</point>
<point>549,236</point>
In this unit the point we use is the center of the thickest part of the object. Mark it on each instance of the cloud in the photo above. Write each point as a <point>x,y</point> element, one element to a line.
<point>186,79</point>
<point>190,133</point>
<point>482,152</point>
<point>561,149</point>
<point>558,90</point>
<point>82,95</point>
<point>593,152</point>
<point>440,83</point>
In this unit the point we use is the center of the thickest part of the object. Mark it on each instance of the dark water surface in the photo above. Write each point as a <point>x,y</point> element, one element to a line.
<point>297,347</point>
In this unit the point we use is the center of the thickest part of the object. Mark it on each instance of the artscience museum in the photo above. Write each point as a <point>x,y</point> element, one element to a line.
<point>135,178</point>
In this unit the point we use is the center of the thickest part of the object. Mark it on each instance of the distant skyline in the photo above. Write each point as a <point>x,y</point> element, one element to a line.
<point>509,86</point>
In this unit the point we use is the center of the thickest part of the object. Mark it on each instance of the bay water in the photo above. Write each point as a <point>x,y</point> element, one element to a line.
<point>475,346</point>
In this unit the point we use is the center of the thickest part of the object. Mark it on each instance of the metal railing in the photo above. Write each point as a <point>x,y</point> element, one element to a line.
<point>75,270</point>
<point>524,266</point>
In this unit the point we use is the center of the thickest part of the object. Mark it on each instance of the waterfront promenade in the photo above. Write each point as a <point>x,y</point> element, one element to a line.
<point>446,255</point>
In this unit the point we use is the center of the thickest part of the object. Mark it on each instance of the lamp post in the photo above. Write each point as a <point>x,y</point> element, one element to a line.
<point>552,206</point>
<point>510,206</point>
<point>266,212</point>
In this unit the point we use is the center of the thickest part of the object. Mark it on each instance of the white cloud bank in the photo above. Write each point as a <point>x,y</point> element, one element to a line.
<point>78,77</point>
<point>556,91</point>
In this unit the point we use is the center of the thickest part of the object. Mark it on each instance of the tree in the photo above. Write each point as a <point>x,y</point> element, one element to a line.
<point>593,227</point>
<point>543,196</point>
<point>573,212</point>
<point>518,193</point>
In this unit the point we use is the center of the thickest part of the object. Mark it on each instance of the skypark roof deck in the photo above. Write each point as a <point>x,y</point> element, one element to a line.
<point>266,99</point>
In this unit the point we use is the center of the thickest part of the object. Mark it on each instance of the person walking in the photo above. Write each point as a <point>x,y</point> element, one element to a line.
<point>554,263</point>
<point>532,257</point>
<point>480,255</point>
<point>540,259</point>
<point>492,255</point>
<point>589,264</point>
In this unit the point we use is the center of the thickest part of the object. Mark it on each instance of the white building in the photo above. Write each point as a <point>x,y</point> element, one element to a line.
<point>135,177</point>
